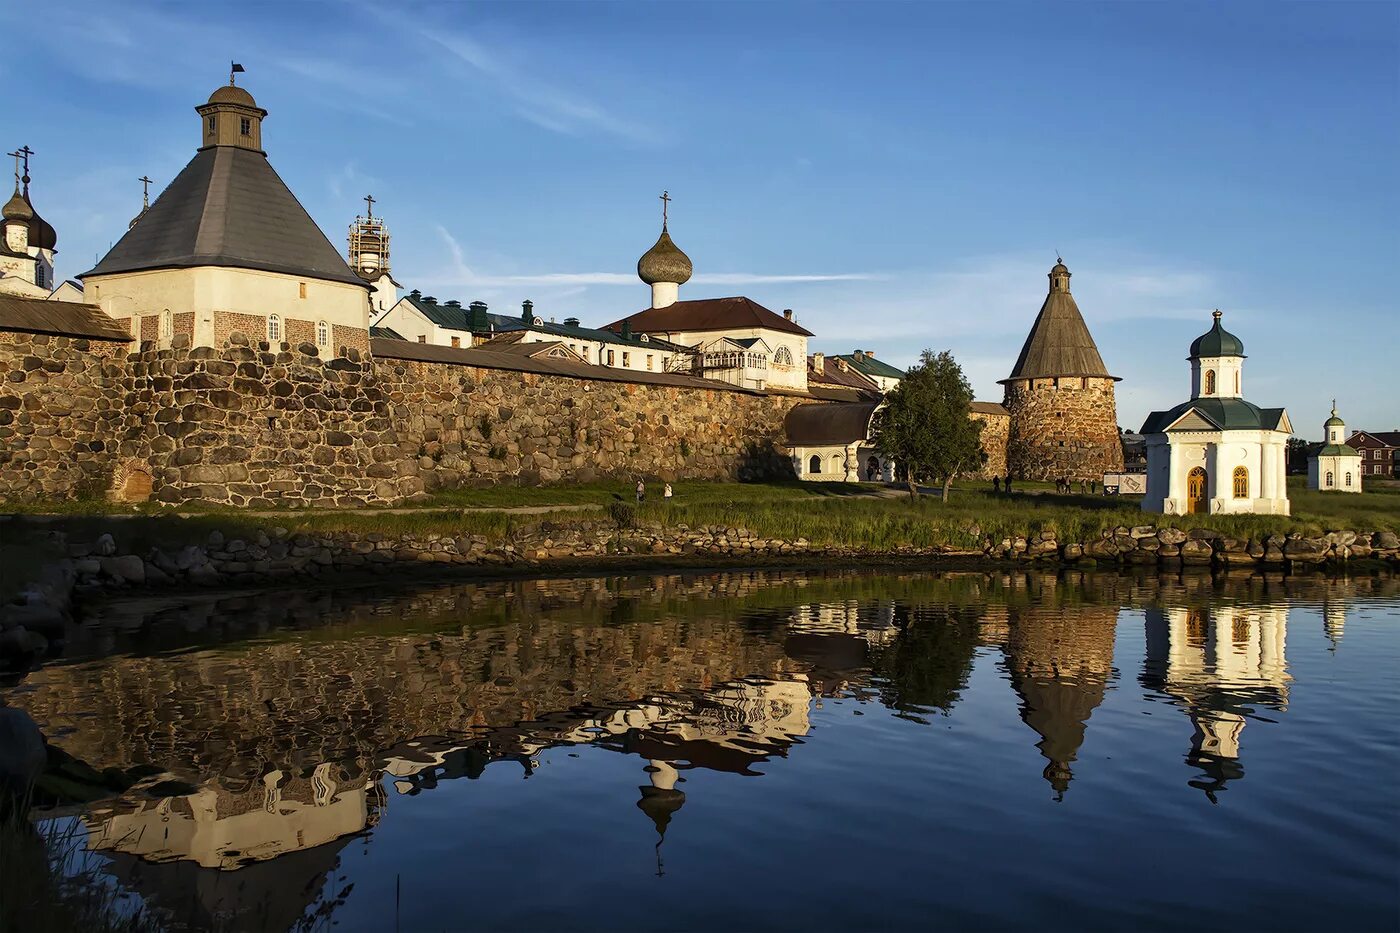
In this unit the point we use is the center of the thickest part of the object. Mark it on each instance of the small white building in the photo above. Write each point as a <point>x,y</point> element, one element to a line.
<point>836,443</point>
<point>1216,453</point>
<point>1335,467</point>
<point>27,245</point>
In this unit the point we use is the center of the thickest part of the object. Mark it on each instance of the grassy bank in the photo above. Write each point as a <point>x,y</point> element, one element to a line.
<point>826,514</point>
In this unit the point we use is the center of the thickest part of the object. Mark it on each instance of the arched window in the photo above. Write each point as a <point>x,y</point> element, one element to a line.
<point>274,328</point>
<point>167,326</point>
<point>1237,382</point>
<point>836,463</point>
<point>815,466</point>
<point>1348,479</point>
<point>1241,483</point>
<point>1210,382</point>
<point>1329,478</point>
<point>323,334</point>
<point>783,357</point>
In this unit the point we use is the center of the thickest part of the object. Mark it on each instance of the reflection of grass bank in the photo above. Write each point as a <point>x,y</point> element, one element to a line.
<point>824,514</point>
<point>50,881</point>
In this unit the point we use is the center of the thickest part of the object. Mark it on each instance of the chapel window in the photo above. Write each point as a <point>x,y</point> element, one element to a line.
<point>815,466</point>
<point>166,325</point>
<point>245,126</point>
<point>1241,483</point>
<point>323,334</point>
<point>1329,477</point>
<point>274,328</point>
<point>1210,382</point>
<point>1348,479</point>
<point>211,124</point>
<point>783,357</point>
<point>1237,382</point>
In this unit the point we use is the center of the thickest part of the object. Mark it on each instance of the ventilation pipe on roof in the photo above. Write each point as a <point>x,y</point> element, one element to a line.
<point>454,303</point>
<point>527,311</point>
<point>626,330</point>
<point>571,322</point>
<point>429,300</point>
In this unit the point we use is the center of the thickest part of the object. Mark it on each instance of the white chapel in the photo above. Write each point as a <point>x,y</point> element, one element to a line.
<point>1336,467</point>
<point>1216,452</point>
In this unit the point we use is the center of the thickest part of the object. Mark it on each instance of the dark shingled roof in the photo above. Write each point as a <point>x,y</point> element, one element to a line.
<point>494,359</point>
<point>988,408</point>
<point>228,207</point>
<point>1227,414</point>
<point>817,425</point>
<point>833,375</point>
<point>66,318</point>
<point>709,314</point>
<point>1059,343</point>
<point>386,332</point>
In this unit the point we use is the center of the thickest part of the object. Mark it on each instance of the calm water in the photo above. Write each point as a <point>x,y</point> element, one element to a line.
<point>751,750</point>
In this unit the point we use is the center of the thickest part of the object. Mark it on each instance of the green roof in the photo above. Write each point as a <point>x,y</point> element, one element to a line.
<point>1217,342</point>
<point>1227,414</point>
<point>458,317</point>
<point>866,364</point>
<point>1336,450</point>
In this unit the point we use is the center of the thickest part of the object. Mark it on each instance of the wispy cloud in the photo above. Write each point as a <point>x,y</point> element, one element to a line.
<point>460,274</point>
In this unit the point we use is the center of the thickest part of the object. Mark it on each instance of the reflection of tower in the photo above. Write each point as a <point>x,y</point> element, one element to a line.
<point>1060,663</point>
<point>1334,620</point>
<point>659,800</point>
<point>1218,663</point>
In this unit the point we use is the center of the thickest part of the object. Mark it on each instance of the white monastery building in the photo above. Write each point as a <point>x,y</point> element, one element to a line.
<point>734,340</point>
<point>1217,452</point>
<point>227,247</point>
<point>1336,467</point>
<point>28,242</point>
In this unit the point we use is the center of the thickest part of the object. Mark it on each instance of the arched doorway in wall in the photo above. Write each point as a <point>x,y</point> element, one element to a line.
<point>1196,490</point>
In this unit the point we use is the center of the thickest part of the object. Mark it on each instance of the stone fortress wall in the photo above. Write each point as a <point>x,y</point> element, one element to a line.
<point>1065,426</point>
<point>245,424</point>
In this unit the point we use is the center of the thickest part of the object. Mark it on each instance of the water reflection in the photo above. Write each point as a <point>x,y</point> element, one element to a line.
<point>299,717</point>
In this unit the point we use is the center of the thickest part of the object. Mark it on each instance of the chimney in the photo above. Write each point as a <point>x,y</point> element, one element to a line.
<point>818,362</point>
<point>477,319</point>
<point>454,303</point>
<point>415,294</point>
<point>571,322</point>
<point>870,353</point>
<point>429,300</point>
<point>626,330</point>
<point>787,314</point>
<point>527,311</point>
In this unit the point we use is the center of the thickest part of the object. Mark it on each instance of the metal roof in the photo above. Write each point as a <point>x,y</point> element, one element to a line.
<point>709,314</point>
<point>228,207</point>
<point>65,318</point>
<point>818,425</point>
<point>1227,414</point>
<point>495,359</point>
<point>458,317</point>
<point>867,364</point>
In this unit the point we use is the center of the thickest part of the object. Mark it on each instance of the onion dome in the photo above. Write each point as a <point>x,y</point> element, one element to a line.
<point>664,262</point>
<point>232,94</point>
<point>1217,342</point>
<point>1335,421</point>
<point>41,232</point>
<point>17,208</point>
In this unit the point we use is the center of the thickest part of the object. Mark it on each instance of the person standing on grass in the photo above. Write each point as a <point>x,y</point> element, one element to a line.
<point>641,491</point>
<point>666,493</point>
<point>1008,484</point>
<point>996,484</point>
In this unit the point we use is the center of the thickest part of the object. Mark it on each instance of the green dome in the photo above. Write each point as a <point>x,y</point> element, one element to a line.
<point>1334,422</point>
<point>1217,342</point>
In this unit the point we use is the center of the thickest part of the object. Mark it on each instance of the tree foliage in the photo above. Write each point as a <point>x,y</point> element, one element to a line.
<point>925,426</point>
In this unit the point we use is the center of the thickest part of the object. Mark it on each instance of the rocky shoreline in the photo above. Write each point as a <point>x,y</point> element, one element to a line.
<point>42,607</point>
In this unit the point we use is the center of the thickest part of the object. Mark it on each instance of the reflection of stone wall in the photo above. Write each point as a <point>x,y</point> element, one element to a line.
<point>1062,427</point>
<point>251,426</point>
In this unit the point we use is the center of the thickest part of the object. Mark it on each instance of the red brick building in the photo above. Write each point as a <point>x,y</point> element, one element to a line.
<point>1380,451</point>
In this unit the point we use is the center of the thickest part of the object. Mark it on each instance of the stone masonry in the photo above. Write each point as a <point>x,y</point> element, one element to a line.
<point>249,425</point>
<point>1065,426</point>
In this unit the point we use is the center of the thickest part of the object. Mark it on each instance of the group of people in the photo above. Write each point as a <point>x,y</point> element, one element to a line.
<point>998,484</point>
<point>666,493</point>
<point>1062,485</point>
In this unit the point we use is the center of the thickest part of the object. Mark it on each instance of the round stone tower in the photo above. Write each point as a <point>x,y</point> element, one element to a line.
<point>1064,422</point>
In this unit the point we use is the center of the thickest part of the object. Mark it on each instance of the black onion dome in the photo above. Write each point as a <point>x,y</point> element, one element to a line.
<point>17,208</point>
<point>41,232</point>
<point>664,262</point>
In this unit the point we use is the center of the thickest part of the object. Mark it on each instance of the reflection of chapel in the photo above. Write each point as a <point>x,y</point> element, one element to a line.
<point>1216,452</point>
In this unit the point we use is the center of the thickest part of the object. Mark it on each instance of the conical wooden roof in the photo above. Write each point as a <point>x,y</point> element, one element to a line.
<point>1059,343</point>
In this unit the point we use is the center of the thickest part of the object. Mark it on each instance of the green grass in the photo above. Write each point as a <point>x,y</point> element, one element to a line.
<point>825,514</point>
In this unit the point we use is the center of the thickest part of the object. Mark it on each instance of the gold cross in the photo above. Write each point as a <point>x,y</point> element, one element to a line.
<point>665,203</point>
<point>145,191</point>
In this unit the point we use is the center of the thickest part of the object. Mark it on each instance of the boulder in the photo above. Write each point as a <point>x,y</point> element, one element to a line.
<point>1306,550</point>
<point>22,751</point>
<point>1171,536</point>
<point>1195,551</point>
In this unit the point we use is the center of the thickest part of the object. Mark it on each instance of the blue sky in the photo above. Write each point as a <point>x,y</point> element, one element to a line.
<point>902,175</point>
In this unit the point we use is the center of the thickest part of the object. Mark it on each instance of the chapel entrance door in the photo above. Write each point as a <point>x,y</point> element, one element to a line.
<point>1196,490</point>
